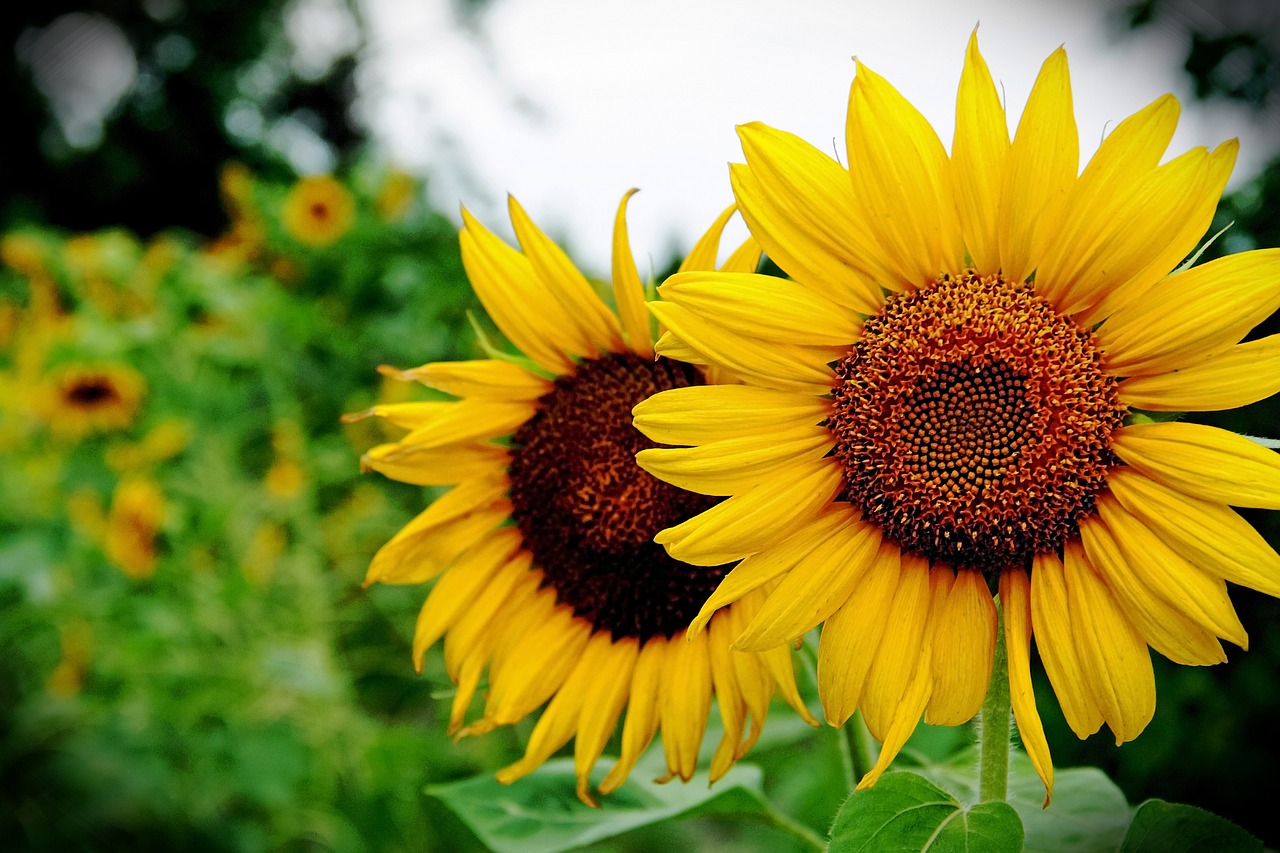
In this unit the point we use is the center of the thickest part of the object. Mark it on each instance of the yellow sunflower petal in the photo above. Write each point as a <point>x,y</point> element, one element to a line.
<point>1039,170</point>
<point>1193,591</point>
<point>812,190</point>
<point>756,519</point>
<point>457,588</point>
<point>760,568</point>
<point>1202,461</point>
<point>605,699</point>
<point>1184,218</point>
<point>1164,627</point>
<point>704,252</point>
<point>1239,376</point>
<point>566,284</point>
<point>515,299</point>
<point>755,679</point>
<point>978,153</point>
<point>798,251</point>
<point>1055,638</point>
<point>1118,256</point>
<point>733,465</point>
<point>851,638</point>
<point>729,699</point>
<point>628,291</point>
<point>764,306</point>
<point>815,587</point>
<point>534,662</point>
<point>477,615</point>
<point>906,716</point>
<point>685,704</point>
<point>451,524</point>
<point>469,674</point>
<point>404,415</point>
<point>559,721</point>
<point>488,379</point>
<point>468,420</point>
<point>1015,600</point>
<point>421,558</point>
<point>1208,535</point>
<point>1110,185</point>
<point>778,661</point>
<point>745,258</point>
<point>1112,654</point>
<point>1199,313</point>
<point>902,178</point>
<point>436,466</point>
<point>964,645</point>
<point>787,367</point>
<point>705,413</point>
<point>903,649</point>
<point>642,711</point>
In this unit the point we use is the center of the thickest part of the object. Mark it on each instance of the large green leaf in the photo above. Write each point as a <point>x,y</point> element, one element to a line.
<point>542,814</point>
<point>1089,814</point>
<point>906,813</point>
<point>1160,827</point>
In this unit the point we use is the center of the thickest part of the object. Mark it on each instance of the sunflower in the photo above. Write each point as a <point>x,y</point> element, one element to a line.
<point>78,399</point>
<point>137,511</point>
<point>318,210</point>
<point>952,397</point>
<point>548,575</point>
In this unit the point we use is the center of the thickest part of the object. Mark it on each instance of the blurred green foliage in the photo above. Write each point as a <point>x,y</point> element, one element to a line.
<point>235,689</point>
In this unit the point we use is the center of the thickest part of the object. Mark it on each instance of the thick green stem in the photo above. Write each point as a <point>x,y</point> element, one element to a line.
<point>858,747</point>
<point>996,728</point>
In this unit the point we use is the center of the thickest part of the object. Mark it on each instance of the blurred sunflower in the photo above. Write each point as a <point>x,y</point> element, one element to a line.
<point>318,210</point>
<point>137,510</point>
<point>945,401</point>
<point>550,576</point>
<point>79,399</point>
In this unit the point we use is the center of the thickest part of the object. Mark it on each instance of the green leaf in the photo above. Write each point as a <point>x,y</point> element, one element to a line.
<point>1160,827</point>
<point>904,813</point>
<point>1089,814</point>
<point>541,813</point>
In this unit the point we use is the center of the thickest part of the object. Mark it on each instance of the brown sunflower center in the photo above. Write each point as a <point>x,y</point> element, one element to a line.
<point>974,422</point>
<point>90,392</point>
<point>588,512</point>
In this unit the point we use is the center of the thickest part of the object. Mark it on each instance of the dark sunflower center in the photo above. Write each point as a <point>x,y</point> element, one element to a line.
<point>588,512</point>
<point>90,392</point>
<point>974,422</point>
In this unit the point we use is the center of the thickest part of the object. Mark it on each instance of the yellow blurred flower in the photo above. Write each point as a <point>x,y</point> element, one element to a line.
<point>236,185</point>
<point>77,646</point>
<point>29,256</point>
<point>318,210</point>
<point>25,254</point>
<point>10,317</point>
<point>285,479</point>
<point>266,546</point>
<point>163,441</point>
<point>396,196</point>
<point>86,513</point>
<point>137,510</point>
<point>79,399</point>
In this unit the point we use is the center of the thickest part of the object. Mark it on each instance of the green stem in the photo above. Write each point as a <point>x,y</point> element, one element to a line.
<point>796,830</point>
<point>996,729</point>
<point>858,748</point>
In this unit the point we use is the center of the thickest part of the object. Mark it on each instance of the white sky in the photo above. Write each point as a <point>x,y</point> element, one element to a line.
<point>566,104</point>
